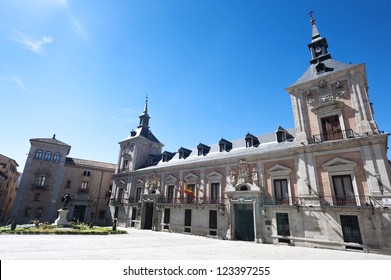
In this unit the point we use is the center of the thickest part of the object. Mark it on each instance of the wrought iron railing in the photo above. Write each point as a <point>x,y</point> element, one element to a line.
<point>335,135</point>
<point>356,200</point>
<point>340,201</point>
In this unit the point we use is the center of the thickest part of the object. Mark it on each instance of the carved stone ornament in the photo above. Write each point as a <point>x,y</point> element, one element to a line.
<point>309,97</point>
<point>255,176</point>
<point>233,177</point>
<point>340,90</point>
<point>325,94</point>
<point>153,183</point>
<point>322,84</point>
<point>243,172</point>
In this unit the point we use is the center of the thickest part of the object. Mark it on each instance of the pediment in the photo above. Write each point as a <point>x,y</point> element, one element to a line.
<point>191,178</point>
<point>279,169</point>
<point>339,164</point>
<point>139,182</point>
<point>214,176</point>
<point>171,179</point>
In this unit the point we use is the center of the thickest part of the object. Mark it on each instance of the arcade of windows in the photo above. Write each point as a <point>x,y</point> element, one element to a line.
<point>47,156</point>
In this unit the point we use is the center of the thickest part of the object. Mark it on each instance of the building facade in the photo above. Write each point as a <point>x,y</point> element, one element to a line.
<point>49,175</point>
<point>324,183</point>
<point>9,177</point>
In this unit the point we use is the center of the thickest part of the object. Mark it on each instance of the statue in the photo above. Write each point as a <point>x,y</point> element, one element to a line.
<point>67,198</point>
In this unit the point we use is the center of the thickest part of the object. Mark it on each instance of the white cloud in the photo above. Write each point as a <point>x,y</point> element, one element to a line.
<point>14,80</point>
<point>34,45</point>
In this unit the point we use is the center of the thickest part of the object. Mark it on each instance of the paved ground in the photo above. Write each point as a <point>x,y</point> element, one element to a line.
<point>149,245</point>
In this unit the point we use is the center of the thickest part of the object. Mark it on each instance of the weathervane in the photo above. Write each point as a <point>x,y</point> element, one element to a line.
<point>311,14</point>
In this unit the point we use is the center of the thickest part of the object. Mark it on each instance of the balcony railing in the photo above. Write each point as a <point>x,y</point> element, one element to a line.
<point>357,200</point>
<point>335,135</point>
<point>40,186</point>
<point>278,200</point>
<point>340,201</point>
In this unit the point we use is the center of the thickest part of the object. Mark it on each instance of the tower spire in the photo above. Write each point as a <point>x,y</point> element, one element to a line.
<point>315,32</point>
<point>144,118</point>
<point>318,46</point>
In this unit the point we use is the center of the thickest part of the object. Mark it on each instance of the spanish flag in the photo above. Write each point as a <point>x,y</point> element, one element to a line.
<point>188,190</point>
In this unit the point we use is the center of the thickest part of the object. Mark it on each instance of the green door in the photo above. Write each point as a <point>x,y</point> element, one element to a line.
<point>244,222</point>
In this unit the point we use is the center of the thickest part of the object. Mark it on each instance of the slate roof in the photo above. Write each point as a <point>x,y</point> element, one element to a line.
<point>89,163</point>
<point>145,132</point>
<point>50,141</point>
<point>268,142</point>
<point>331,66</point>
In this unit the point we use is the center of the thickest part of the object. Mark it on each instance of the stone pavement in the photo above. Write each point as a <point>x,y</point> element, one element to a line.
<point>150,245</point>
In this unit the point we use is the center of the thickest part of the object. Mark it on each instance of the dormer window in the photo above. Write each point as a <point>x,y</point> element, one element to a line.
<point>225,146</point>
<point>167,156</point>
<point>320,68</point>
<point>153,159</point>
<point>184,153</point>
<point>283,135</point>
<point>203,149</point>
<point>251,141</point>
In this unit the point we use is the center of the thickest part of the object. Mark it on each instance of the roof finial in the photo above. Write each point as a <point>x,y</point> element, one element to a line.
<point>146,104</point>
<point>311,14</point>
<point>54,136</point>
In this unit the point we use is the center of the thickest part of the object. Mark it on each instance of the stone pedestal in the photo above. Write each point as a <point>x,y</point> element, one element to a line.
<point>62,218</point>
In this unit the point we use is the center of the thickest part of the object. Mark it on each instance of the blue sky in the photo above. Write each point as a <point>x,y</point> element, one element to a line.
<point>211,69</point>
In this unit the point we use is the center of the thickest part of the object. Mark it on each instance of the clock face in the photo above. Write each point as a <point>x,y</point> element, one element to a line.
<point>318,50</point>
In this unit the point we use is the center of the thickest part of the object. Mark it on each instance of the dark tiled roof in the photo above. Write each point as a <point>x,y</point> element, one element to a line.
<point>50,141</point>
<point>89,163</point>
<point>331,66</point>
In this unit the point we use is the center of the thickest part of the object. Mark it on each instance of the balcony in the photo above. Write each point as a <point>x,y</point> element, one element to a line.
<point>335,135</point>
<point>116,201</point>
<point>278,201</point>
<point>189,200</point>
<point>326,201</point>
<point>345,201</point>
<point>40,186</point>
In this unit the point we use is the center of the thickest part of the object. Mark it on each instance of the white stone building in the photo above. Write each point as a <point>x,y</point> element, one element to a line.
<point>325,183</point>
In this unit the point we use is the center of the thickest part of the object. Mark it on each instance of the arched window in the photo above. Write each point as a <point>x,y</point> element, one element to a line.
<point>48,156</point>
<point>56,157</point>
<point>38,154</point>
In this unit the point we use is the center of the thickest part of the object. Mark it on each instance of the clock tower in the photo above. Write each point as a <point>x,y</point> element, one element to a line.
<point>330,100</point>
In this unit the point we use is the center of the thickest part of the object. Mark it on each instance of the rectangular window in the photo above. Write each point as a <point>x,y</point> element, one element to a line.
<point>166,218</point>
<point>187,220</point>
<point>214,192</point>
<point>282,220</point>
<point>331,128</point>
<point>83,187</point>
<point>281,191</point>
<point>38,214</point>
<point>190,197</point>
<point>68,184</point>
<point>343,189</point>
<point>212,222</point>
<point>40,182</point>
<point>170,194</point>
<point>27,211</point>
